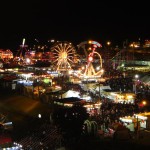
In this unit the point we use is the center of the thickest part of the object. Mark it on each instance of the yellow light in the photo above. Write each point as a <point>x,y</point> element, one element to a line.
<point>129,96</point>
<point>131,45</point>
<point>108,43</point>
<point>144,102</point>
<point>90,42</point>
<point>83,67</point>
<point>102,70</point>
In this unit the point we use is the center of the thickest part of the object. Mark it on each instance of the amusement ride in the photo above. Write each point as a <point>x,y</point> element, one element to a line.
<point>93,68</point>
<point>64,56</point>
<point>19,58</point>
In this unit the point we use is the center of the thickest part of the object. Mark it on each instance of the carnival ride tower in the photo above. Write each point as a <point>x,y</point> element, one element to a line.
<point>21,52</point>
<point>22,49</point>
<point>90,72</point>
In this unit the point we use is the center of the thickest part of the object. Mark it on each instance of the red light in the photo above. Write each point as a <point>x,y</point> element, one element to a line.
<point>95,46</point>
<point>93,49</point>
<point>90,58</point>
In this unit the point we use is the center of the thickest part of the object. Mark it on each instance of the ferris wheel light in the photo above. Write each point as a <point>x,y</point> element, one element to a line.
<point>64,55</point>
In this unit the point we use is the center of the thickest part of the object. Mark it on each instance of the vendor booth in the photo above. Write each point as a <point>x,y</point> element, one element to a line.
<point>143,120</point>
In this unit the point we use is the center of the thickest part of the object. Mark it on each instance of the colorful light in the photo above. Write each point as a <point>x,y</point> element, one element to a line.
<point>90,58</point>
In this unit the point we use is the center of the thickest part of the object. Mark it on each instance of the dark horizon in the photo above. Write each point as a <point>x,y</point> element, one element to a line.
<point>73,21</point>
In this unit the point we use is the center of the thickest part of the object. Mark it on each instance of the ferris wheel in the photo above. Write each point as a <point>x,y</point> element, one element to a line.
<point>64,55</point>
<point>91,70</point>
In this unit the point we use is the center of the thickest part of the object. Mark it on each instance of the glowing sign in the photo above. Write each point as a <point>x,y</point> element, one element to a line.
<point>46,80</point>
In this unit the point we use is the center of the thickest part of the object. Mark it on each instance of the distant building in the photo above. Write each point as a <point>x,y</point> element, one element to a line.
<point>6,54</point>
<point>134,44</point>
<point>147,43</point>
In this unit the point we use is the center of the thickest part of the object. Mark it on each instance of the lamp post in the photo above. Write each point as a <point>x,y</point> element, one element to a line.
<point>108,43</point>
<point>135,83</point>
<point>108,51</point>
<point>102,71</point>
<point>144,103</point>
<point>99,90</point>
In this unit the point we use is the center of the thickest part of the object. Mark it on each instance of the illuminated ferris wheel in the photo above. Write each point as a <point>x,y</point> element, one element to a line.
<point>64,55</point>
<point>92,69</point>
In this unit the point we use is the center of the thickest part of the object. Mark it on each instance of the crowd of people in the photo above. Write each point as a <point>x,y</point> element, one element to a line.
<point>110,112</point>
<point>47,136</point>
<point>120,84</point>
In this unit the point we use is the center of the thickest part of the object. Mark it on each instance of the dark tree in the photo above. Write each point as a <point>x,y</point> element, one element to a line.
<point>70,120</point>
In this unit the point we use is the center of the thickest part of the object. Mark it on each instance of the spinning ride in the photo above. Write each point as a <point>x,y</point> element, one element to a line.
<point>93,68</point>
<point>19,58</point>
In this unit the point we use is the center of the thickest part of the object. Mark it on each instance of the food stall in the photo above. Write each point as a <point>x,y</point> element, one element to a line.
<point>143,120</point>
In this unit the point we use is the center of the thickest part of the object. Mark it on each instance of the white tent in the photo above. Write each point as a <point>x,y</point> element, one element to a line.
<point>101,87</point>
<point>71,93</point>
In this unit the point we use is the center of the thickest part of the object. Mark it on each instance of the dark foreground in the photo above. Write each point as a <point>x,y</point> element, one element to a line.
<point>23,112</point>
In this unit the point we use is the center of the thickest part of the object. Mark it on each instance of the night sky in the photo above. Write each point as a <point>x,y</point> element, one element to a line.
<point>72,20</point>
